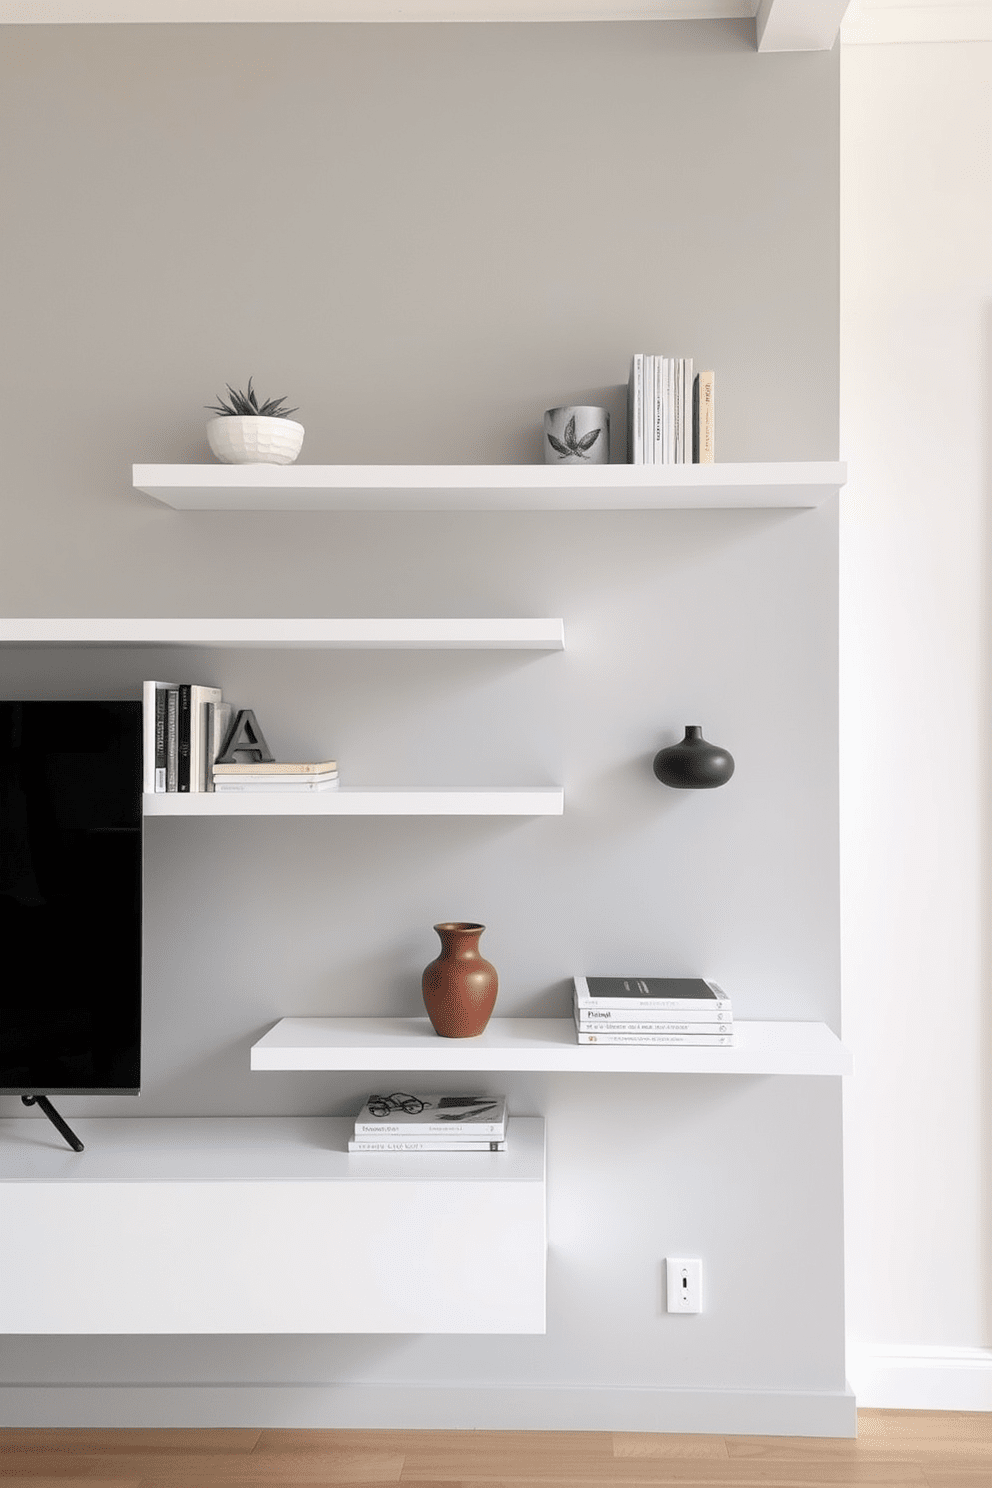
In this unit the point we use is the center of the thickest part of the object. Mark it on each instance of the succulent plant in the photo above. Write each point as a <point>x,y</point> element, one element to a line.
<point>246,405</point>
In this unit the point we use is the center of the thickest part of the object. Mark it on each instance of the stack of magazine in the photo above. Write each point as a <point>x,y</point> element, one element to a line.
<point>669,412</point>
<point>431,1123</point>
<point>652,1010</point>
<point>305,777</point>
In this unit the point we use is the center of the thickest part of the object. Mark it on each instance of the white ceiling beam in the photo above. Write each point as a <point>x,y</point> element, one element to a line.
<point>798,25</point>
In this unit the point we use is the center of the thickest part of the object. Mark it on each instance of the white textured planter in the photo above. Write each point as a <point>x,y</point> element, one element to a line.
<point>255,441</point>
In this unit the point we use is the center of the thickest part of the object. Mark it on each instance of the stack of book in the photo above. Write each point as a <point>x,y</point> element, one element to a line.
<point>277,775</point>
<point>669,412</point>
<point>185,725</point>
<point>431,1123</point>
<point>652,1010</point>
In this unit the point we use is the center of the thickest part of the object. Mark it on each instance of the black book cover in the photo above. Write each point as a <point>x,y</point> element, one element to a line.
<point>184,736</point>
<point>651,987</point>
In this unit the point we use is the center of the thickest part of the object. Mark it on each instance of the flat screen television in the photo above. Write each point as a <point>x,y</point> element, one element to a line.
<point>70,898</point>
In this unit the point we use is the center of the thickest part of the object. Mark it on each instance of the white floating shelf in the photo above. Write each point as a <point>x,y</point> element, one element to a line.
<point>353,634</point>
<point>352,801</point>
<point>539,1044</point>
<point>488,487</point>
<point>265,1225</point>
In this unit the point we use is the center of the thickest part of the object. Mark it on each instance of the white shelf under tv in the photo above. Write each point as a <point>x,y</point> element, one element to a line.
<point>355,801</point>
<point>254,1224</point>
<point>298,634</point>
<point>547,1044</point>
<point>289,488</point>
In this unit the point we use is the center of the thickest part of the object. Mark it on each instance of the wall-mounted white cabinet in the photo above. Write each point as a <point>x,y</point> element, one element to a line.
<point>289,488</point>
<point>266,1225</point>
<point>539,1044</point>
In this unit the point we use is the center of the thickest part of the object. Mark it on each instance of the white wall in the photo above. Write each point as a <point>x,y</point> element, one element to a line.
<point>432,235</point>
<point>916,223</point>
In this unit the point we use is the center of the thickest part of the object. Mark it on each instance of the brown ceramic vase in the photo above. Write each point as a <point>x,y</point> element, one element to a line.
<point>460,986</point>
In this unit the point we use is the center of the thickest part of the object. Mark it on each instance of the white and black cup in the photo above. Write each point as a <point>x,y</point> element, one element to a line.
<point>576,436</point>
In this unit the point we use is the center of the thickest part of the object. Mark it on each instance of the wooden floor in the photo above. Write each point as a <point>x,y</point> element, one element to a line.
<point>932,1449</point>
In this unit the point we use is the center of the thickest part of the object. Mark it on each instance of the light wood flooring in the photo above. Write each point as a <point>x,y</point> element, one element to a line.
<point>927,1448</point>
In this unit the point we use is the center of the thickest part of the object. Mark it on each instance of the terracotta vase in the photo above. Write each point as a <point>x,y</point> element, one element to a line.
<point>460,986</point>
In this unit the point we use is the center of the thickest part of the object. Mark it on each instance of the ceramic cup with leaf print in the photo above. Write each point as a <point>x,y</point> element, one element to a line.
<point>576,436</point>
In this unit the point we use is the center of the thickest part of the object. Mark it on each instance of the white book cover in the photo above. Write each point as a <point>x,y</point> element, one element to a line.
<point>647,455</point>
<point>407,1115</point>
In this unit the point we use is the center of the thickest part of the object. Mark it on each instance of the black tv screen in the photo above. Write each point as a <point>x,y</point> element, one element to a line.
<point>70,897</point>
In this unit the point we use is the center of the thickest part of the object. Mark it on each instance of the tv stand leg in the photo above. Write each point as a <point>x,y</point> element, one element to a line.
<point>57,1121</point>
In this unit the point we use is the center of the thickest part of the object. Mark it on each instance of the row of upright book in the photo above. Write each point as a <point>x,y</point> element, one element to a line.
<point>669,412</point>
<point>431,1123</point>
<point>678,1011</point>
<point>194,742</point>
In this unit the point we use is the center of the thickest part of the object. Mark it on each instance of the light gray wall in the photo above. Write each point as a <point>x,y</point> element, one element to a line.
<point>425,235</point>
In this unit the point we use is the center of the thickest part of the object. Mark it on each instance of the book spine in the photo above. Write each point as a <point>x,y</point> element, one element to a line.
<point>635,410</point>
<point>659,1026</point>
<point>650,363</point>
<point>225,787</point>
<point>687,381</point>
<point>704,432</point>
<point>426,1146</point>
<point>676,1040</point>
<point>183,781</point>
<point>669,410</point>
<point>172,739</point>
<point>705,1015</point>
<point>148,693</point>
<point>415,1131</point>
<point>161,738</point>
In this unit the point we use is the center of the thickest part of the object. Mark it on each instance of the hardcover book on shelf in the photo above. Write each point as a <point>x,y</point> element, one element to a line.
<point>635,410</point>
<point>425,1144</point>
<point>454,1118</point>
<point>277,767</point>
<point>154,735</point>
<point>662,1022</point>
<point>682,993</point>
<point>172,738</point>
<point>654,1040</point>
<point>201,700</point>
<point>285,784</point>
<point>702,426</point>
<point>219,717</point>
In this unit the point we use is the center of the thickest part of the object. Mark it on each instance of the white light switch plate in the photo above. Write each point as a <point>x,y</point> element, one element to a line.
<point>685,1284</point>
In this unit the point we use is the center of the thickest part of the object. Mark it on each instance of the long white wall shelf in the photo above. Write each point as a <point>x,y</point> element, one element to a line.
<point>488,487</point>
<point>266,1225</point>
<point>352,801</point>
<point>345,634</point>
<point>539,1044</point>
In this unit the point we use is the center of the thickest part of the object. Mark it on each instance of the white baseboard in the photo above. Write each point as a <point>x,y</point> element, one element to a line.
<point>953,1379</point>
<point>730,1412</point>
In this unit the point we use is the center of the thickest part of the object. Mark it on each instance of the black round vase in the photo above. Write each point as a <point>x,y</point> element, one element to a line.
<point>693,764</point>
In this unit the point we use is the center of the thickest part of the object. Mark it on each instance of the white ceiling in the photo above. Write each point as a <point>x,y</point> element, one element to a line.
<point>780,25</point>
